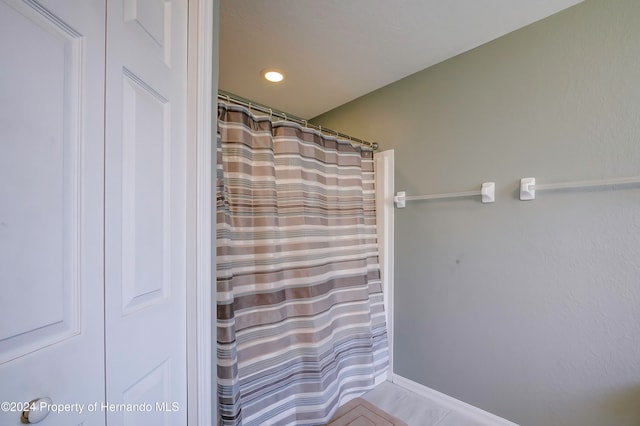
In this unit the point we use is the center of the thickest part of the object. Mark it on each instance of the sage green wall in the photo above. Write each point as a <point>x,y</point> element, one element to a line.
<point>529,310</point>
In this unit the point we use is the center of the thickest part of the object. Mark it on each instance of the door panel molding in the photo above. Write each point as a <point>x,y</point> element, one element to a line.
<point>42,302</point>
<point>52,206</point>
<point>146,204</point>
<point>146,195</point>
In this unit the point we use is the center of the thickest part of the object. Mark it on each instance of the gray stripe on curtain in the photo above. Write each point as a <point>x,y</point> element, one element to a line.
<point>300,318</point>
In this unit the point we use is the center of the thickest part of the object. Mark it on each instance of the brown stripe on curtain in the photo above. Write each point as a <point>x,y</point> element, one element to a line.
<point>300,325</point>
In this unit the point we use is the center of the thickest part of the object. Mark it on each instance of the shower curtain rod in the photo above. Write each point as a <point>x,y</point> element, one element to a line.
<point>230,97</point>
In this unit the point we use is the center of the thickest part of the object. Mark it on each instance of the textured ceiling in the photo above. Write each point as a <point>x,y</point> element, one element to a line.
<point>333,51</point>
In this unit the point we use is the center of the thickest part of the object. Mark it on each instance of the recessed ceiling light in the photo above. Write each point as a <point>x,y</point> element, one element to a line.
<point>274,76</point>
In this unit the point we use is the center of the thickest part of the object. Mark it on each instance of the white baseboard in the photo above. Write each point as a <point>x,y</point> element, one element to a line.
<point>475,413</point>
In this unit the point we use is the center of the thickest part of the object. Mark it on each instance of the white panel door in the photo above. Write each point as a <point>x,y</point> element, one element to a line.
<point>145,249</point>
<point>51,208</point>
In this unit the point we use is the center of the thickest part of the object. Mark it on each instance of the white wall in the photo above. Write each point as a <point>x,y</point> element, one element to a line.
<point>529,310</point>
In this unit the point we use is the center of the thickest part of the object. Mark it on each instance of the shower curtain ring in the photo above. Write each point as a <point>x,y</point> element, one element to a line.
<point>270,113</point>
<point>228,99</point>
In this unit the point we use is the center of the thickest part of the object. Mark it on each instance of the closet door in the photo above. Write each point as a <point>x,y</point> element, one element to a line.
<point>51,208</point>
<point>145,211</point>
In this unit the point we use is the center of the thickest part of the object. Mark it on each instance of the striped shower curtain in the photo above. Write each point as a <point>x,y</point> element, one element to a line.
<point>300,320</point>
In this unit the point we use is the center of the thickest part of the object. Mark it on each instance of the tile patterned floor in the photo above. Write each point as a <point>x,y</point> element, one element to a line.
<point>414,409</point>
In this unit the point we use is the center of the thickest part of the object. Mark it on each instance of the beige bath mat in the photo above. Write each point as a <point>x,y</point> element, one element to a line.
<point>359,412</point>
